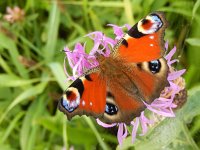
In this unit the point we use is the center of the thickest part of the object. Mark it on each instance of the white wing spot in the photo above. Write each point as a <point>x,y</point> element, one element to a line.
<point>83,103</point>
<point>90,103</point>
<point>151,37</point>
<point>151,44</point>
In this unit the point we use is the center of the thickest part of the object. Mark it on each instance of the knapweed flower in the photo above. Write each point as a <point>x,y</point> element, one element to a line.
<point>14,14</point>
<point>161,107</point>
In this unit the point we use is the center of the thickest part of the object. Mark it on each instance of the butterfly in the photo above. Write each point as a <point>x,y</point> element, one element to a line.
<point>134,73</point>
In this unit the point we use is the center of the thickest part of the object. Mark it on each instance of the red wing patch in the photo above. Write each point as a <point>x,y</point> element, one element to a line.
<point>93,99</point>
<point>144,41</point>
<point>85,96</point>
<point>141,49</point>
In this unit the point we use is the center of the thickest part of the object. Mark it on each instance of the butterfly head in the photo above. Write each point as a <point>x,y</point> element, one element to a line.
<point>150,24</point>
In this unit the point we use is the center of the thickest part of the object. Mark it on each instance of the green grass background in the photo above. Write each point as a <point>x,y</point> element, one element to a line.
<point>29,119</point>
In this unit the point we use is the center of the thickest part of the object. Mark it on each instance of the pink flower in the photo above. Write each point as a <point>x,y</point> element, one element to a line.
<point>101,40</point>
<point>118,31</point>
<point>161,107</point>
<point>14,14</point>
<point>79,61</point>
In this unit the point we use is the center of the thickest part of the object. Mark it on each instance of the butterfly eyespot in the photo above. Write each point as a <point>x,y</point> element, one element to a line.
<point>71,99</point>
<point>154,66</point>
<point>69,106</point>
<point>150,24</point>
<point>144,21</point>
<point>111,109</point>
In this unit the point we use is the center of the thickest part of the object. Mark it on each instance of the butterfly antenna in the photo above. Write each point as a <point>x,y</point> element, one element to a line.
<point>65,51</point>
<point>81,53</point>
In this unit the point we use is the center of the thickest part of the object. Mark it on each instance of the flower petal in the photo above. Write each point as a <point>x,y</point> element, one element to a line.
<point>135,128</point>
<point>122,132</point>
<point>105,125</point>
<point>168,57</point>
<point>174,75</point>
<point>144,122</point>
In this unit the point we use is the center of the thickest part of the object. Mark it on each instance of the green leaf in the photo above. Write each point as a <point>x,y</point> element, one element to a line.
<point>6,147</point>
<point>59,74</point>
<point>95,20</point>
<point>101,142</point>
<point>5,66</point>
<point>53,124</point>
<point>191,108</point>
<point>168,130</point>
<point>52,30</point>
<point>79,28</point>
<point>193,41</point>
<point>14,81</point>
<point>30,45</point>
<point>96,3</point>
<point>64,133</point>
<point>11,126</point>
<point>10,45</point>
<point>128,12</point>
<point>195,8</point>
<point>181,11</point>
<point>30,130</point>
<point>30,92</point>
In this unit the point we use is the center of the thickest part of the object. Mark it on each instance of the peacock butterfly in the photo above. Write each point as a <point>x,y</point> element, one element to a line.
<point>135,72</point>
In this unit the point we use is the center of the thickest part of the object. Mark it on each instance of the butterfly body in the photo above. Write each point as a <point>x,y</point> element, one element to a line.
<point>134,73</point>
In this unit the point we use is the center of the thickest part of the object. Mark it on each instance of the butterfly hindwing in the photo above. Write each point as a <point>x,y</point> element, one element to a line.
<point>140,83</point>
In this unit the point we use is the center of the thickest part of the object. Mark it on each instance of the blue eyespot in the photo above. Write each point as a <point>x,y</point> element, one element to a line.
<point>70,107</point>
<point>111,109</point>
<point>156,18</point>
<point>154,66</point>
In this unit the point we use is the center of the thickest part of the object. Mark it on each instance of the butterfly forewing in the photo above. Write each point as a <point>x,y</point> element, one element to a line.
<point>85,96</point>
<point>144,41</point>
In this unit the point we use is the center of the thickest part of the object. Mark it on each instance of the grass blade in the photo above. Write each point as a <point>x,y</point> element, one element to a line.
<point>52,29</point>
<point>100,140</point>
<point>9,44</point>
<point>59,74</point>
<point>11,126</point>
<point>33,91</point>
<point>193,41</point>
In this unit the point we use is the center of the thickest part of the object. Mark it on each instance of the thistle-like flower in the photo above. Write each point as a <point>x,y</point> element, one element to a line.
<point>14,14</point>
<point>161,107</point>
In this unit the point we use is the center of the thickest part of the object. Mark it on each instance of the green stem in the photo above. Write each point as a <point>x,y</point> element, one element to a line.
<point>98,136</point>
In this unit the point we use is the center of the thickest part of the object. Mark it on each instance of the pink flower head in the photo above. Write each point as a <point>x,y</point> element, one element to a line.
<point>79,61</point>
<point>161,107</point>
<point>118,31</point>
<point>14,14</point>
<point>101,43</point>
